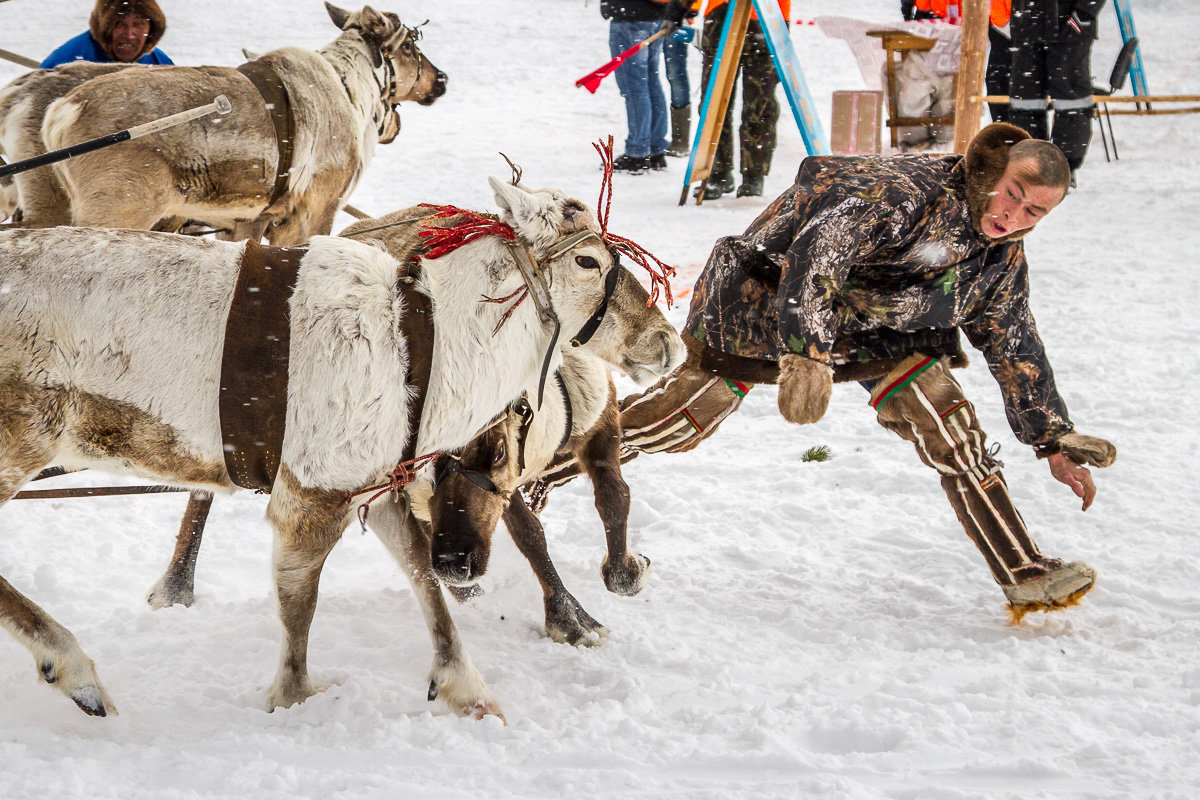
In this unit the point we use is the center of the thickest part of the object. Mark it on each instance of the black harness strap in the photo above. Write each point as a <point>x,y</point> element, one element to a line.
<point>570,421</point>
<point>417,326</point>
<point>274,94</point>
<point>589,328</point>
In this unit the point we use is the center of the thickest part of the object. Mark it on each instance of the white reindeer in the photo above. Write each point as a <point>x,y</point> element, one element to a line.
<point>95,323</point>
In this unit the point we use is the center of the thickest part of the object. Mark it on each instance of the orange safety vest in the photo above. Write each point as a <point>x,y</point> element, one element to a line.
<point>784,5</point>
<point>1001,12</point>
<point>998,16</point>
<point>936,7</point>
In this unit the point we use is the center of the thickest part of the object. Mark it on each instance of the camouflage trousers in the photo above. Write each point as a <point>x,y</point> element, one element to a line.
<point>919,400</point>
<point>760,109</point>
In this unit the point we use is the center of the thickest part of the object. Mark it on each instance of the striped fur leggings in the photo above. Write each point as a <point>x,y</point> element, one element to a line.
<point>919,400</point>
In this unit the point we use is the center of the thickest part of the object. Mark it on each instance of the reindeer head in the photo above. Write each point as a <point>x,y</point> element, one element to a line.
<point>470,492</point>
<point>633,335</point>
<point>401,70</point>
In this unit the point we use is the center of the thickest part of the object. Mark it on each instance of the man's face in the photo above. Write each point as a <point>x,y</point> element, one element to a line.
<point>129,37</point>
<point>1016,205</point>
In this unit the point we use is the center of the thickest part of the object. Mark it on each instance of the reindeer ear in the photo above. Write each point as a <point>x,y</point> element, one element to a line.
<point>374,24</point>
<point>338,15</point>
<point>523,205</point>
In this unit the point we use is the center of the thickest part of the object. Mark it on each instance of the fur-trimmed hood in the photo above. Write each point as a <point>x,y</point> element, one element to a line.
<point>104,19</point>
<point>984,165</point>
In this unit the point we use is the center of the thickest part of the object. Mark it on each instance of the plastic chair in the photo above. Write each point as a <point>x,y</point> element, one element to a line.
<point>1115,81</point>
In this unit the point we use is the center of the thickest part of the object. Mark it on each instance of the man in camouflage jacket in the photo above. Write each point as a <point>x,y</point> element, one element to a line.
<point>866,269</point>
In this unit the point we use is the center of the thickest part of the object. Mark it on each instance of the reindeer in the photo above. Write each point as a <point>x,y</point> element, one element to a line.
<point>226,172</point>
<point>95,323</point>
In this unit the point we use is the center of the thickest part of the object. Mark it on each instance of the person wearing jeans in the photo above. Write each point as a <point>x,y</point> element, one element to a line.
<point>630,22</point>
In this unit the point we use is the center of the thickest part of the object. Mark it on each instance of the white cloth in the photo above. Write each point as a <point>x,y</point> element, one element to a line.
<point>869,53</point>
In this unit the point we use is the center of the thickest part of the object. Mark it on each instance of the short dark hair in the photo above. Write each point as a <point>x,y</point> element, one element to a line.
<point>1041,163</point>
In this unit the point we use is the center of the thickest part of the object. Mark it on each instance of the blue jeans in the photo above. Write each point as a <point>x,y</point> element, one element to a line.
<point>675,55</point>
<point>637,78</point>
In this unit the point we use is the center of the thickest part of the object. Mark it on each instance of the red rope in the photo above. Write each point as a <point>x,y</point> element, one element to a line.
<point>440,241</point>
<point>660,271</point>
<point>403,474</point>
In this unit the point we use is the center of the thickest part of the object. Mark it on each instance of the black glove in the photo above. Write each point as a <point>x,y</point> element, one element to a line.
<point>673,16</point>
<point>907,7</point>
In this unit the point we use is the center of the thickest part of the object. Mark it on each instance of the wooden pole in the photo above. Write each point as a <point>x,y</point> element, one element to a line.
<point>8,55</point>
<point>219,105</point>
<point>1108,98</point>
<point>972,62</point>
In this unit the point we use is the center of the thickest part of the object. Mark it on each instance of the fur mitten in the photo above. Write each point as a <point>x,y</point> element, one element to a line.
<point>804,388</point>
<point>1087,449</point>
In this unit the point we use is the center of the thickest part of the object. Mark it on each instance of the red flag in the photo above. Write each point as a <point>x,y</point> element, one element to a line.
<point>591,81</point>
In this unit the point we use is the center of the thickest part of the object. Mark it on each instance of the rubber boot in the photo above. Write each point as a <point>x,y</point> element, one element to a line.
<point>681,128</point>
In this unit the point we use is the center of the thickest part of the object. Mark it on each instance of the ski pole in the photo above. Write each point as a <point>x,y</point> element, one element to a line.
<point>220,105</point>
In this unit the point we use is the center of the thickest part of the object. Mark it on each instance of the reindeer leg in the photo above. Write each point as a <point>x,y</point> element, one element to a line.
<point>178,583</point>
<point>453,677</point>
<point>308,523</point>
<point>60,661</point>
<point>625,573</point>
<point>566,621</point>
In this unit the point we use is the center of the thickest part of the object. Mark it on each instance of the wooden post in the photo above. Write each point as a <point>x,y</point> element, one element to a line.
<point>721,80</point>
<point>972,63</point>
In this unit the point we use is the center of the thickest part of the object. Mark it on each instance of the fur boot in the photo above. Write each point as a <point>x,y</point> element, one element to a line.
<point>804,388</point>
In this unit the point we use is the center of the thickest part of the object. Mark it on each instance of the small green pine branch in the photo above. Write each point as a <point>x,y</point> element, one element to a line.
<point>819,453</point>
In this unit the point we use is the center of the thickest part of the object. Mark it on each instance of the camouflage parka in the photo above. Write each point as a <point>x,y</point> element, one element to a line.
<point>874,258</point>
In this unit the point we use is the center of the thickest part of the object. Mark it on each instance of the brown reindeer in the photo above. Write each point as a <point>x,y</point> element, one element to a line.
<point>231,173</point>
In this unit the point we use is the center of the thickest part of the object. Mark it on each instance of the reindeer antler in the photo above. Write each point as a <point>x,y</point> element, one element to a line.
<point>516,171</point>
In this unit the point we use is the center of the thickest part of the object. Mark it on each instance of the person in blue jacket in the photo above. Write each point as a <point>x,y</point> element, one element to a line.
<point>123,31</point>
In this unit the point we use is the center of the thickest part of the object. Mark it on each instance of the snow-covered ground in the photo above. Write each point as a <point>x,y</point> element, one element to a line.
<point>809,629</point>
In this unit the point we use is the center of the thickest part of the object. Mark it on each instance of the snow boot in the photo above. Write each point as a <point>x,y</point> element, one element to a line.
<point>1059,587</point>
<point>633,165</point>
<point>658,162</point>
<point>717,184</point>
<point>681,127</point>
<point>752,186</point>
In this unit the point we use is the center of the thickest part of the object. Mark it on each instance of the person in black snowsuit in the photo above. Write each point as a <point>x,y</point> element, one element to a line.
<point>1052,43</point>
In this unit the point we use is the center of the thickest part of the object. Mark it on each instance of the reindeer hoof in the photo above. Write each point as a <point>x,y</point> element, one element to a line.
<point>90,700</point>
<point>628,577</point>
<point>166,594</point>
<point>79,682</point>
<point>286,695</point>
<point>482,708</point>
<point>433,690</point>
<point>465,594</point>
<point>568,623</point>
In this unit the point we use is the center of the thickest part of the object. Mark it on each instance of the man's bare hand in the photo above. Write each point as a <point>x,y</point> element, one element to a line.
<point>1077,477</point>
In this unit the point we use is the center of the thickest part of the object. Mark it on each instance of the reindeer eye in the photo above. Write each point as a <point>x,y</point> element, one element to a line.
<point>501,455</point>
<point>587,262</point>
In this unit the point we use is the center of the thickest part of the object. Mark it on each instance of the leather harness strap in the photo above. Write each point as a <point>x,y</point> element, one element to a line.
<point>254,365</point>
<point>417,326</point>
<point>274,94</point>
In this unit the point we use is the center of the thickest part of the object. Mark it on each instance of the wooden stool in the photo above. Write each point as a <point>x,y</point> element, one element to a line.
<point>900,42</point>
